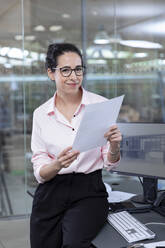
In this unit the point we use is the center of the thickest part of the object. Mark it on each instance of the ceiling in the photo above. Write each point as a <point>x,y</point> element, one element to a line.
<point>132,19</point>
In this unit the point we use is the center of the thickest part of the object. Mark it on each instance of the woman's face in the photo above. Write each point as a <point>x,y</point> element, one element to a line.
<point>68,83</point>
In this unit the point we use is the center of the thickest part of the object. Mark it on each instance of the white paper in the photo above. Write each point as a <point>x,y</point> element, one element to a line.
<point>97,119</point>
<point>155,244</point>
<point>108,188</point>
<point>119,196</point>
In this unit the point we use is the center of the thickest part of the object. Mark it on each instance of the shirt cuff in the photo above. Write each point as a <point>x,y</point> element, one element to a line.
<point>109,165</point>
<point>38,160</point>
<point>37,175</point>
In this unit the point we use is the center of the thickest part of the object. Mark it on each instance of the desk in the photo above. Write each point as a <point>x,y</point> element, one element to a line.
<point>108,237</point>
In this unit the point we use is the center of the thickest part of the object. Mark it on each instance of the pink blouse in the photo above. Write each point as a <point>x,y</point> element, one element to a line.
<point>52,133</point>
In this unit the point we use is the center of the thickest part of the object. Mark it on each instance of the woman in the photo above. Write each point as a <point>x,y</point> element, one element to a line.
<point>70,204</point>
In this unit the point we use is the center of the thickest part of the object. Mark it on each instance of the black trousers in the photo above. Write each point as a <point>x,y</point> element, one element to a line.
<point>68,211</point>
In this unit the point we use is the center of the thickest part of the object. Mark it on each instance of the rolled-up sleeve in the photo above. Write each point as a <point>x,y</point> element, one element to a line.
<point>109,166</point>
<point>40,154</point>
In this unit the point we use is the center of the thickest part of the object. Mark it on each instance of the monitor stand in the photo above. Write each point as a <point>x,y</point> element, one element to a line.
<point>150,186</point>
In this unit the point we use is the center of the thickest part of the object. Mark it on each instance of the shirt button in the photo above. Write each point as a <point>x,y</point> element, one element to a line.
<point>73,129</point>
<point>74,115</point>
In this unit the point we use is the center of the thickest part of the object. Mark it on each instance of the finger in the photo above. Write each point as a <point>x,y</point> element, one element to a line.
<point>68,157</point>
<point>66,165</point>
<point>115,139</point>
<point>68,161</point>
<point>66,150</point>
<point>115,134</point>
<point>110,133</point>
<point>71,154</point>
<point>112,130</point>
<point>113,127</point>
<point>71,158</point>
<point>67,153</point>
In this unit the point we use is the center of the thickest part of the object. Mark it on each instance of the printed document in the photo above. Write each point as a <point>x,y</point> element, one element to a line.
<point>119,196</point>
<point>155,244</point>
<point>96,121</point>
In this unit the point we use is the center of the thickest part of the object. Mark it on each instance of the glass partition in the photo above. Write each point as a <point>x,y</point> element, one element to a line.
<point>12,170</point>
<point>48,22</point>
<point>27,28</point>
<point>124,45</point>
<point>125,55</point>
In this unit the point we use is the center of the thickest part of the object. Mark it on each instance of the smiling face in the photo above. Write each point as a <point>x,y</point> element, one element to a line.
<point>68,84</point>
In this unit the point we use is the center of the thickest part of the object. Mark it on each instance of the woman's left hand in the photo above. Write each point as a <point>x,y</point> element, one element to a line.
<point>114,137</point>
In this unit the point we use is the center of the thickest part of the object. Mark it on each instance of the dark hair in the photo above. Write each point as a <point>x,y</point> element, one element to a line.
<point>55,50</point>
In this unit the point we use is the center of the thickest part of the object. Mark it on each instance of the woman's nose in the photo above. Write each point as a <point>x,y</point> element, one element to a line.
<point>73,75</point>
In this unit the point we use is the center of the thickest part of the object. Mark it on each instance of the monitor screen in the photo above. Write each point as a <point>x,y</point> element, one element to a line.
<point>143,151</point>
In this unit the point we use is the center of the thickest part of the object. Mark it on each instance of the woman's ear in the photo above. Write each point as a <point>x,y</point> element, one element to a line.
<point>50,74</point>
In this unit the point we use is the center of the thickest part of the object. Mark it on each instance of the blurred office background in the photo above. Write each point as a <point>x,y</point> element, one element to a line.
<point>123,43</point>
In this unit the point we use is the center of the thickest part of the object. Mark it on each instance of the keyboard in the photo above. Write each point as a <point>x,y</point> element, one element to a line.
<point>129,227</point>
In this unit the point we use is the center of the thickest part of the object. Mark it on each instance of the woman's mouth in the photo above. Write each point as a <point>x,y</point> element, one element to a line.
<point>73,84</point>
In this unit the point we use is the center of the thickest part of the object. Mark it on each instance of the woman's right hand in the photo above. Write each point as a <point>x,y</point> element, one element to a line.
<point>66,157</point>
<point>63,160</point>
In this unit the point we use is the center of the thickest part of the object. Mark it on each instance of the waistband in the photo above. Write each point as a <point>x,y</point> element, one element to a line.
<point>80,174</point>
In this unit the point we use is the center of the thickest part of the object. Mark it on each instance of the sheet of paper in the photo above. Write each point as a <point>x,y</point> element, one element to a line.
<point>119,196</point>
<point>155,244</point>
<point>96,121</point>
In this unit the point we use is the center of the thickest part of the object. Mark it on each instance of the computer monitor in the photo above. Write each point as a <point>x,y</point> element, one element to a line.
<point>143,155</point>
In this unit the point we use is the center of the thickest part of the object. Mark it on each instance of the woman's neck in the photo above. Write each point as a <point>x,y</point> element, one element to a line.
<point>67,104</point>
<point>68,99</point>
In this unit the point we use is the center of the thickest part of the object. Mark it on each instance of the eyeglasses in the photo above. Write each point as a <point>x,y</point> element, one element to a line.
<point>67,71</point>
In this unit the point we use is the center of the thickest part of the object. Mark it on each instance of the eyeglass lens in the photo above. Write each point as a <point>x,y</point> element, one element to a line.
<point>67,71</point>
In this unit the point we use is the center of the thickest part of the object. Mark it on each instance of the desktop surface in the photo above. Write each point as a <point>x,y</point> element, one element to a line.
<point>109,237</point>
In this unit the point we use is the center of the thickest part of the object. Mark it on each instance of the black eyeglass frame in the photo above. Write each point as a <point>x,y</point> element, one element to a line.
<point>71,70</point>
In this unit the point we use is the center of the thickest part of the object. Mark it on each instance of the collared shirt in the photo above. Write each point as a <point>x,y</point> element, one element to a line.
<point>52,133</point>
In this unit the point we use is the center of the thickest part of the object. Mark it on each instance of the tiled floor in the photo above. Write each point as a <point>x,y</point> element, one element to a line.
<point>14,233</point>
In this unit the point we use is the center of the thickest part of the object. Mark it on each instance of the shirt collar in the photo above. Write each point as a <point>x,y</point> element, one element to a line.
<point>51,104</point>
<point>85,97</point>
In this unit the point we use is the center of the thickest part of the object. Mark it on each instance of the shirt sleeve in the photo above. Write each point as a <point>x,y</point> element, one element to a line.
<point>108,165</point>
<point>40,155</point>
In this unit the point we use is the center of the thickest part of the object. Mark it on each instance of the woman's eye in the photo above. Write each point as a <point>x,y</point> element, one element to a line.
<point>66,70</point>
<point>79,69</point>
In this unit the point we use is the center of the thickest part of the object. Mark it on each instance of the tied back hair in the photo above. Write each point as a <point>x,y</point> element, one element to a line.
<point>56,50</point>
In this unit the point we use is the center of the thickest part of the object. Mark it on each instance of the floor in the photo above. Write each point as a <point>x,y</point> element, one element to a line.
<point>14,233</point>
